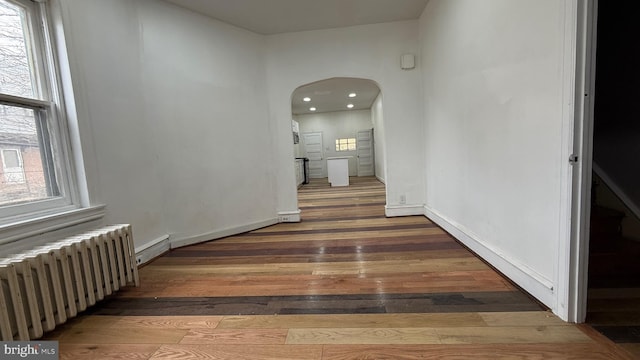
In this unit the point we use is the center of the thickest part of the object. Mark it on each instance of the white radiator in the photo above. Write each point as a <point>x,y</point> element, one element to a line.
<point>43,287</point>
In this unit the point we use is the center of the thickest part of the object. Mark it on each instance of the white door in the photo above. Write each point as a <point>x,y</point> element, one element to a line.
<point>364,152</point>
<point>313,151</point>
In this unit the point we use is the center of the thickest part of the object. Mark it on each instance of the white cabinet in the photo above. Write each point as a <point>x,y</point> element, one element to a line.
<point>338,169</point>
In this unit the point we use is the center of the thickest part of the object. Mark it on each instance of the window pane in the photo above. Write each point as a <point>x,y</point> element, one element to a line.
<point>16,66</point>
<point>11,158</point>
<point>24,176</point>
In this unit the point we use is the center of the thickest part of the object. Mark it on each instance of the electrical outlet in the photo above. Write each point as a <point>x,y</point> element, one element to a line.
<point>403,199</point>
<point>284,219</point>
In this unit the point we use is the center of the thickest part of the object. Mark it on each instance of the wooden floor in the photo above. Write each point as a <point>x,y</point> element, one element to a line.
<point>613,306</point>
<point>345,283</point>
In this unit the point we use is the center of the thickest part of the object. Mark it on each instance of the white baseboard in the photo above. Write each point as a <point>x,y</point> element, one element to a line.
<point>380,179</point>
<point>289,216</point>
<point>190,240</point>
<point>403,210</point>
<point>152,250</point>
<point>527,278</point>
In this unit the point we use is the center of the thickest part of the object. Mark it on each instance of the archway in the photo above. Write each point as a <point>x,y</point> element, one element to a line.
<point>338,118</point>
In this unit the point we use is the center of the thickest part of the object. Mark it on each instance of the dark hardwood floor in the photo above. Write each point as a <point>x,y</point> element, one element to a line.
<point>345,283</point>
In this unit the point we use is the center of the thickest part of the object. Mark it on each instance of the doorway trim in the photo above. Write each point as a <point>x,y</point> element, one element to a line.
<point>574,258</point>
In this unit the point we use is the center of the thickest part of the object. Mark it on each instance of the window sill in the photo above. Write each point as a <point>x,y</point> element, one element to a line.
<point>18,230</point>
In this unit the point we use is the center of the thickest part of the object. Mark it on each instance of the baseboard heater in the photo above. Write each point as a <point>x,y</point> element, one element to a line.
<point>43,287</point>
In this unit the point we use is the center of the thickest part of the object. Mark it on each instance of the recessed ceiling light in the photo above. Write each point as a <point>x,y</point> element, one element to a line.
<point>312,109</point>
<point>307,99</point>
<point>352,95</point>
<point>350,106</point>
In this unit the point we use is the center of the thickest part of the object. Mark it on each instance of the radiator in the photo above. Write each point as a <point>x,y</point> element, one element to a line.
<point>43,287</point>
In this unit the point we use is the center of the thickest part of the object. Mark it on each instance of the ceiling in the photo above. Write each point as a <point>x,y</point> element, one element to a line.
<point>280,16</point>
<point>333,95</point>
<point>270,17</point>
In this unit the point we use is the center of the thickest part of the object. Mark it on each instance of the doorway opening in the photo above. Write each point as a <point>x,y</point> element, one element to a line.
<point>338,132</point>
<point>613,301</point>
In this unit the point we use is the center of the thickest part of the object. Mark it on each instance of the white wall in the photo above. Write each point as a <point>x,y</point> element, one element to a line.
<point>173,119</point>
<point>337,125</point>
<point>493,102</point>
<point>370,52</point>
<point>377,118</point>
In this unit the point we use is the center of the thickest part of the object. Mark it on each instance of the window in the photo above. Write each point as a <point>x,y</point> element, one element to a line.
<point>346,144</point>
<point>12,166</point>
<point>32,138</point>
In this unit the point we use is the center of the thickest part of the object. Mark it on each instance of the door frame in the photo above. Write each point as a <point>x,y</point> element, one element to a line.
<point>573,260</point>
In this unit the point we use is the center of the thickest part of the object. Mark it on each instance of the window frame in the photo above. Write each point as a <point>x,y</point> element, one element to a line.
<point>50,117</point>
<point>348,141</point>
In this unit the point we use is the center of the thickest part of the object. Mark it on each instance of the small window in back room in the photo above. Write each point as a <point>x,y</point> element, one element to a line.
<point>348,144</point>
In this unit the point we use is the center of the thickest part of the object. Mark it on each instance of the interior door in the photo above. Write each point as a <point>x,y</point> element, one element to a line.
<point>313,150</point>
<point>364,153</point>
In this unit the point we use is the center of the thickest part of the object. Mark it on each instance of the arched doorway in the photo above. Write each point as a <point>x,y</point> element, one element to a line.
<point>338,118</point>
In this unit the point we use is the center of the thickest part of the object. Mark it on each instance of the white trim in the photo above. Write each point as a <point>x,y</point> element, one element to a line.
<point>46,223</point>
<point>289,216</point>
<point>527,278</point>
<point>403,210</point>
<point>152,249</point>
<point>578,89</point>
<point>380,179</point>
<point>19,101</point>
<point>190,240</point>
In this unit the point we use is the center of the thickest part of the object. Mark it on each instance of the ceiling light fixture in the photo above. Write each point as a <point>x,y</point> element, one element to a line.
<point>352,95</point>
<point>312,109</point>
<point>307,99</point>
<point>350,106</point>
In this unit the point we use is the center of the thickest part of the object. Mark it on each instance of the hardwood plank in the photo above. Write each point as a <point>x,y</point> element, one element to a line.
<point>352,320</point>
<point>334,258</point>
<point>185,271</point>
<point>106,352</point>
<point>236,336</point>
<point>123,336</point>
<point>239,352</point>
<point>450,335</point>
<point>520,318</point>
<point>167,322</point>
<point>513,335</point>
<point>490,351</point>
<point>321,304</point>
<point>363,336</point>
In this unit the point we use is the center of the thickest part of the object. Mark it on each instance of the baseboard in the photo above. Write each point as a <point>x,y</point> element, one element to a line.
<point>380,179</point>
<point>152,250</point>
<point>289,216</point>
<point>190,240</point>
<point>403,210</point>
<point>527,278</point>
